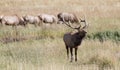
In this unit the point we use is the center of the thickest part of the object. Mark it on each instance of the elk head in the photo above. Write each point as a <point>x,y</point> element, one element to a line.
<point>80,29</point>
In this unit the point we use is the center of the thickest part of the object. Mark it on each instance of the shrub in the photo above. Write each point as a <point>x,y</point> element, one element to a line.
<point>106,35</point>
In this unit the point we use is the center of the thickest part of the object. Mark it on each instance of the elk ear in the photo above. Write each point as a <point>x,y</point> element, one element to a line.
<point>1,16</point>
<point>80,19</point>
<point>23,17</point>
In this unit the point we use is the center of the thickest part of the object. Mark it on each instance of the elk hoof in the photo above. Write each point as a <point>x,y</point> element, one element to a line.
<point>76,60</point>
<point>71,61</point>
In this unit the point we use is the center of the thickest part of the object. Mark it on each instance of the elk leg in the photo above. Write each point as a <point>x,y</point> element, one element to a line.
<point>67,52</point>
<point>35,24</point>
<point>3,23</point>
<point>42,22</point>
<point>25,24</point>
<point>63,20</point>
<point>69,22</point>
<point>39,24</point>
<point>16,32</point>
<point>71,51</point>
<point>76,54</point>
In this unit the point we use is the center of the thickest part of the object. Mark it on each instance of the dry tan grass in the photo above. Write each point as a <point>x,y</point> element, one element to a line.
<point>93,8</point>
<point>49,54</point>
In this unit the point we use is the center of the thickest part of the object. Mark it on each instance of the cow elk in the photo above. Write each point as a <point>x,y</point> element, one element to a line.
<point>45,18</point>
<point>32,20</point>
<point>67,17</point>
<point>12,20</point>
<point>74,39</point>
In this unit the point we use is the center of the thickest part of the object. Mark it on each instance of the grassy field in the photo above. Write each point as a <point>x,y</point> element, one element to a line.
<point>50,54</point>
<point>42,48</point>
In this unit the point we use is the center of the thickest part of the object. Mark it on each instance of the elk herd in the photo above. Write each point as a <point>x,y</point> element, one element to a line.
<point>71,39</point>
<point>15,20</point>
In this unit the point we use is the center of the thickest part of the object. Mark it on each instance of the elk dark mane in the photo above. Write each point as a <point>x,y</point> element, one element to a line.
<point>78,37</point>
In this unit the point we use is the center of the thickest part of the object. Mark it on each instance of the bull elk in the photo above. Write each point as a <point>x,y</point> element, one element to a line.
<point>74,39</point>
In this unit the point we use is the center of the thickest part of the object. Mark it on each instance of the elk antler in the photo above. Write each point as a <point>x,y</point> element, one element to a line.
<point>72,27</point>
<point>84,22</point>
